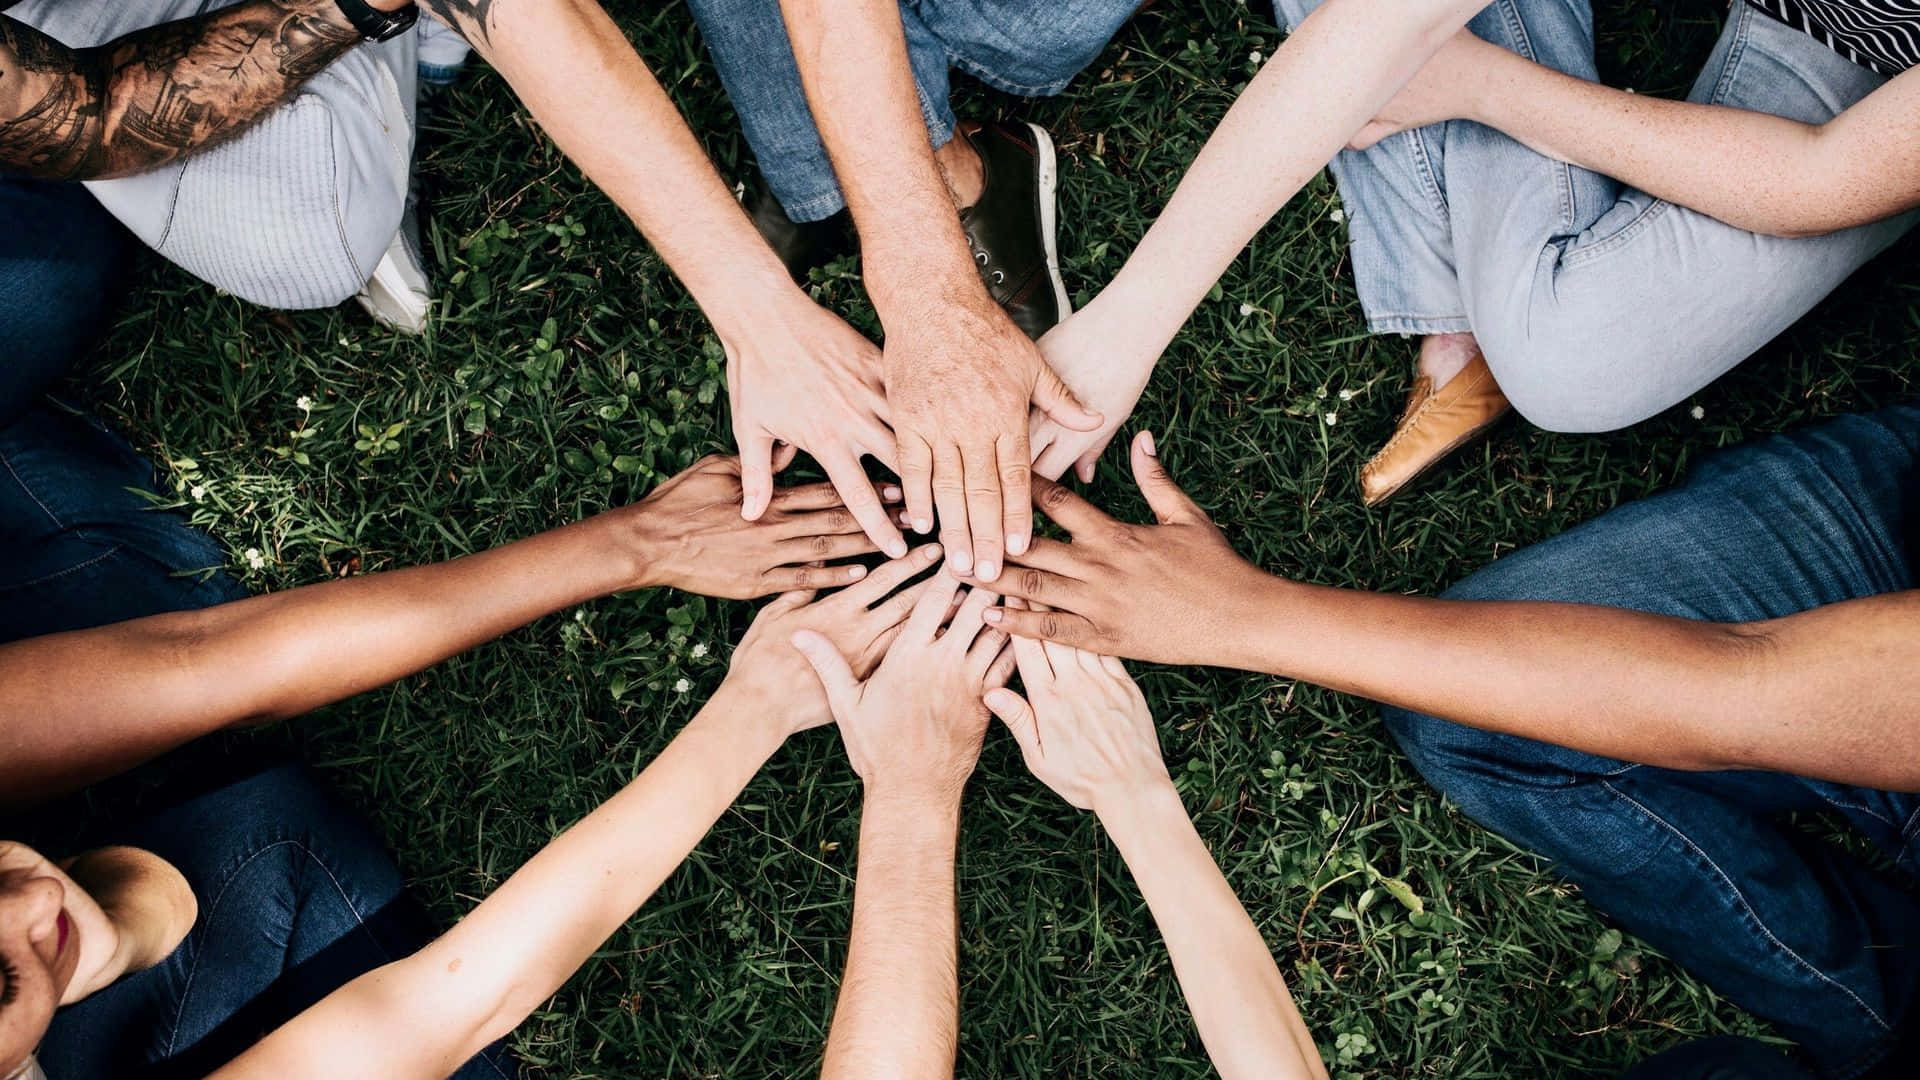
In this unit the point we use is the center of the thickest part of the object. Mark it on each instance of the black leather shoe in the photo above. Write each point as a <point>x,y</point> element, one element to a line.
<point>1012,228</point>
<point>801,245</point>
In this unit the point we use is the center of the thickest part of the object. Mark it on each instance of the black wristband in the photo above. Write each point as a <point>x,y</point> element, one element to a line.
<point>377,25</point>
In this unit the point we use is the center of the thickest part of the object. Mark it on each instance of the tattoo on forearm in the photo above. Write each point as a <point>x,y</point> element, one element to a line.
<point>467,16</point>
<point>157,94</point>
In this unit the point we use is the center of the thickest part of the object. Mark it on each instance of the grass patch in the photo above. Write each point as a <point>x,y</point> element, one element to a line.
<point>567,372</point>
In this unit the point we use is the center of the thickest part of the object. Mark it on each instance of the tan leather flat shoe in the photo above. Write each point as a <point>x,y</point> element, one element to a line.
<point>1434,425</point>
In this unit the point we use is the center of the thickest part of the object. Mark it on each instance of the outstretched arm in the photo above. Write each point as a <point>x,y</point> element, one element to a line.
<point>913,733</point>
<point>80,706</point>
<point>158,94</point>
<point>1831,693</point>
<point>1758,172</point>
<point>1089,737</point>
<point>420,1017</point>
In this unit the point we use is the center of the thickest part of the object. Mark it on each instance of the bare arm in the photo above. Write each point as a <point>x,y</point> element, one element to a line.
<point>80,706</point>
<point>1751,170</point>
<point>158,94</point>
<point>1831,693</point>
<point>1087,734</point>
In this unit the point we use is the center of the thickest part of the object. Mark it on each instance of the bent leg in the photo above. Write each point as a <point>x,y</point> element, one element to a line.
<point>1598,305</point>
<point>1031,48</point>
<point>1791,929</point>
<point>62,268</point>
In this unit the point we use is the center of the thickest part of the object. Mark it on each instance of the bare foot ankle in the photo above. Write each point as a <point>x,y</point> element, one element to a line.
<point>960,164</point>
<point>1442,356</point>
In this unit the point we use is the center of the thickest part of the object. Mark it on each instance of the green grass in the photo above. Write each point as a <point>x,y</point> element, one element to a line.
<point>563,349</point>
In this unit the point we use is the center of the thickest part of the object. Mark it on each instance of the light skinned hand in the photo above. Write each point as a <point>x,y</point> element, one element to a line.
<point>688,534</point>
<point>1438,91</point>
<point>809,381</point>
<point>860,621</point>
<point>1108,376</point>
<point>1083,727</point>
<point>1169,592</point>
<point>959,381</point>
<point>914,726</point>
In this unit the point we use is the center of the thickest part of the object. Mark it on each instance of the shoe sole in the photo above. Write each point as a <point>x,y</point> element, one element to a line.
<point>1446,452</point>
<point>1050,215</point>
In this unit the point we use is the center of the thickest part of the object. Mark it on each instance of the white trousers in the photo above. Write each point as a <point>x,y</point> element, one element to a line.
<point>295,211</point>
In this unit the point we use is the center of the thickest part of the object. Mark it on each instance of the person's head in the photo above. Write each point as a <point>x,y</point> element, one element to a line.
<point>45,959</point>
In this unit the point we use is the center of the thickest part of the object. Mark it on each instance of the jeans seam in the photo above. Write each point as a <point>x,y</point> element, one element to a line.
<point>1746,910</point>
<point>1423,165</point>
<point>74,569</point>
<point>1562,172</point>
<point>32,494</point>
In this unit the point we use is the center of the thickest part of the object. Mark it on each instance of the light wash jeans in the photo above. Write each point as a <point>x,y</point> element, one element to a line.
<point>1032,48</point>
<point>296,211</point>
<point>1597,305</point>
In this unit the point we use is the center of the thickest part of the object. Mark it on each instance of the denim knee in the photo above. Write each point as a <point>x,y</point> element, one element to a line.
<point>1024,47</point>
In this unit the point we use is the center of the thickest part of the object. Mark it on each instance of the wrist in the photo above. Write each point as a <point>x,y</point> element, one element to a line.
<point>1127,809</point>
<point>1255,633</point>
<point>745,717</point>
<point>925,798</point>
<point>758,306</point>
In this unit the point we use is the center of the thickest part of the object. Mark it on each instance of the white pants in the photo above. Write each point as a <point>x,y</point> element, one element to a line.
<point>297,210</point>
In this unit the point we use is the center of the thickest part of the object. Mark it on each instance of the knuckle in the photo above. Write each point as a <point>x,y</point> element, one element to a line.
<point>1051,625</point>
<point>1030,581</point>
<point>803,578</point>
<point>1054,497</point>
<point>840,519</point>
<point>821,545</point>
<point>1015,474</point>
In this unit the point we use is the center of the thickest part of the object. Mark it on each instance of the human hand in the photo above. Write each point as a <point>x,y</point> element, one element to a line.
<point>913,728</point>
<point>1087,733</point>
<point>807,380</point>
<point>1440,90</point>
<point>688,533</point>
<point>958,385</point>
<point>1107,376</point>
<point>859,621</point>
<point>1174,592</point>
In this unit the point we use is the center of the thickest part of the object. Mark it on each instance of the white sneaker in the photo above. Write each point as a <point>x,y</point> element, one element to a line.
<point>397,294</point>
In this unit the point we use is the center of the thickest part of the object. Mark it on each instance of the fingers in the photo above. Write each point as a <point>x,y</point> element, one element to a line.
<point>969,619</point>
<point>1085,467</point>
<point>794,578</point>
<point>916,480</point>
<point>783,455</point>
<point>950,503</point>
<point>931,609</point>
<point>985,653</point>
<point>983,509</point>
<point>1170,504</point>
<point>1000,670</point>
<point>1057,626</point>
<point>802,498</point>
<point>1041,587</point>
<point>1069,511</point>
<point>1036,670</point>
<point>1052,460</point>
<point>843,469</point>
<point>1013,711</point>
<point>788,601</point>
<point>1016,511</point>
<point>890,576</point>
<point>756,473</point>
<point>816,548</point>
<point>1059,403</point>
<point>900,605</point>
<point>843,691</point>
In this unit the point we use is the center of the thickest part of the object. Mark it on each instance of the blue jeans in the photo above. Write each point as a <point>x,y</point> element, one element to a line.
<point>1032,48</point>
<point>297,897</point>
<point>1698,864</point>
<point>1597,305</point>
<point>62,258</point>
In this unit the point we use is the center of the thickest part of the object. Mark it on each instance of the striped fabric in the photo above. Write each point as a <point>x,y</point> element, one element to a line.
<point>1883,35</point>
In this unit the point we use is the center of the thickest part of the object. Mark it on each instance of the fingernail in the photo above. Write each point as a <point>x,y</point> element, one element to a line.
<point>961,560</point>
<point>855,573</point>
<point>921,525</point>
<point>1146,444</point>
<point>896,548</point>
<point>930,552</point>
<point>988,570</point>
<point>994,615</point>
<point>890,493</point>
<point>1016,543</point>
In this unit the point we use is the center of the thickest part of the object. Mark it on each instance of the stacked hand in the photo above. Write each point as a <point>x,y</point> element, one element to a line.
<point>1108,376</point>
<point>1086,732</point>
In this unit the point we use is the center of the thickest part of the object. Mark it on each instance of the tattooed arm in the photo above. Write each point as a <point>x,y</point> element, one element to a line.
<point>157,94</point>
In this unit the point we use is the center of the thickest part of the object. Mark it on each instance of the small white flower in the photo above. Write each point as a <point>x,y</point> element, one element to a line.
<point>1254,57</point>
<point>698,651</point>
<point>255,560</point>
<point>1339,215</point>
<point>1320,393</point>
<point>1346,395</point>
<point>1697,413</point>
<point>303,403</point>
<point>1331,418</point>
<point>199,492</point>
<point>1246,310</point>
<point>682,686</point>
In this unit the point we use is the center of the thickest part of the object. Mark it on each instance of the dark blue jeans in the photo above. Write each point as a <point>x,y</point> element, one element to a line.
<point>62,266</point>
<point>1701,864</point>
<point>297,897</point>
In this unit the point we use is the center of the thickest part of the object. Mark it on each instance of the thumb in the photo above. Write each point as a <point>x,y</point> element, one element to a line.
<point>756,473</point>
<point>1013,711</point>
<point>1170,504</point>
<point>1053,397</point>
<point>843,690</point>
